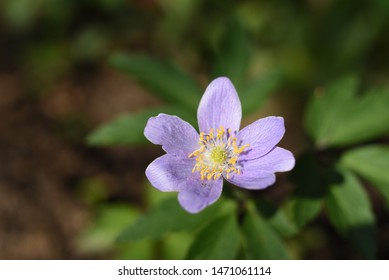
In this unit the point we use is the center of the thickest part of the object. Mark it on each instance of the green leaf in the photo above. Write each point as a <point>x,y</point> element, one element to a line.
<point>109,222</point>
<point>370,162</point>
<point>125,130</point>
<point>305,210</point>
<point>349,210</point>
<point>284,226</point>
<point>277,218</point>
<point>161,78</point>
<point>256,92</point>
<point>219,240</point>
<point>128,129</point>
<point>233,57</point>
<point>262,242</point>
<point>337,117</point>
<point>176,245</point>
<point>141,250</point>
<point>168,216</point>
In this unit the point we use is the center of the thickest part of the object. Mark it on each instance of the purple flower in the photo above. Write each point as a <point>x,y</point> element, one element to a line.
<point>194,165</point>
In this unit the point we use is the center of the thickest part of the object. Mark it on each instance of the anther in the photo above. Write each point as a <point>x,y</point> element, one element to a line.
<point>218,154</point>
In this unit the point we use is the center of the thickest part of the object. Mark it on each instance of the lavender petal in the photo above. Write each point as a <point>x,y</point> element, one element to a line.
<point>219,106</point>
<point>198,194</point>
<point>277,160</point>
<point>169,173</point>
<point>259,173</point>
<point>176,136</point>
<point>253,179</point>
<point>261,136</point>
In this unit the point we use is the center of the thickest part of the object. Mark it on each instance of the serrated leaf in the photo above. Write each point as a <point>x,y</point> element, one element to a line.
<point>370,162</point>
<point>161,78</point>
<point>322,109</point>
<point>128,129</point>
<point>262,241</point>
<point>219,240</point>
<point>349,210</point>
<point>337,116</point>
<point>168,216</point>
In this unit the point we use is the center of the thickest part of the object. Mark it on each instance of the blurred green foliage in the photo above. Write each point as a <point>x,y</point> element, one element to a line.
<point>349,210</point>
<point>330,56</point>
<point>262,241</point>
<point>219,240</point>
<point>336,117</point>
<point>370,162</point>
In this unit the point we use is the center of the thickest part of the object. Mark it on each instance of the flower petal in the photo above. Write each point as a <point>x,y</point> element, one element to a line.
<point>277,160</point>
<point>259,173</point>
<point>169,173</point>
<point>176,136</point>
<point>198,194</point>
<point>253,179</point>
<point>262,136</point>
<point>219,106</point>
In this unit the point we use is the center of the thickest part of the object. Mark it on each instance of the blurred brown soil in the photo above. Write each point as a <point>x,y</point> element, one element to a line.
<point>43,159</point>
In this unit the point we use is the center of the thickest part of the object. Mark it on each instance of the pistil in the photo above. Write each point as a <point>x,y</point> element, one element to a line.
<point>218,154</point>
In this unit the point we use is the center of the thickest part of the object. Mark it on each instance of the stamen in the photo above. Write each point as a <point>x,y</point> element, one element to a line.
<point>211,133</point>
<point>218,154</point>
<point>220,132</point>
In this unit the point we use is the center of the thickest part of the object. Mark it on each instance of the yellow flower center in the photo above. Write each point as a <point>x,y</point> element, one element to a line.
<point>218,154</point>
